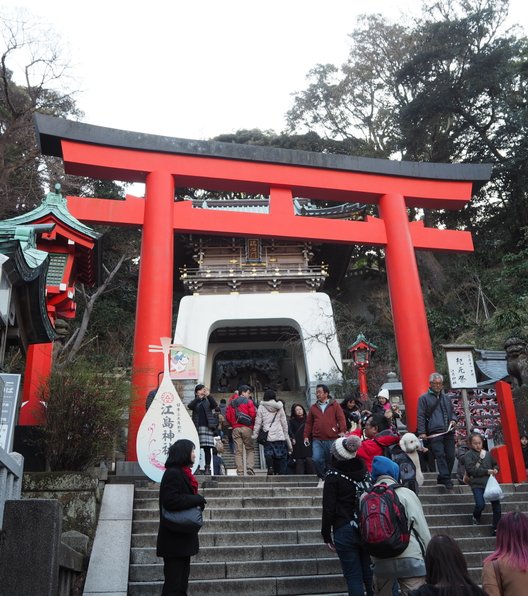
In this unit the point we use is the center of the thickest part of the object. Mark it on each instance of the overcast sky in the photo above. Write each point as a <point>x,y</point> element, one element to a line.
<point>199,68</point>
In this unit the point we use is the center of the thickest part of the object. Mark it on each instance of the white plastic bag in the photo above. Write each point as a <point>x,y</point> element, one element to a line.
<point>493,491</point>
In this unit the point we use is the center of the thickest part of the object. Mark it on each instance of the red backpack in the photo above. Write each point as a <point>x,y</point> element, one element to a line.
<point>383,522</point>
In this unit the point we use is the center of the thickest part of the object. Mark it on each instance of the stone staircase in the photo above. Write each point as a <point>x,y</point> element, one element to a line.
<point>261,536</point>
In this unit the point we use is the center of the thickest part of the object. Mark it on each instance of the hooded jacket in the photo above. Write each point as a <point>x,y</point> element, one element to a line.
<point>410,563</point>
<point>340,494</point>
<point>277,428</point>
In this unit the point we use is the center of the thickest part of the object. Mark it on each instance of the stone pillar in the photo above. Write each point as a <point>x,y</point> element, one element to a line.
<point>29,551</point>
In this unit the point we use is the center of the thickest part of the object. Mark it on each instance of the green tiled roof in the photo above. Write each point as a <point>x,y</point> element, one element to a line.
<point>55,204</point>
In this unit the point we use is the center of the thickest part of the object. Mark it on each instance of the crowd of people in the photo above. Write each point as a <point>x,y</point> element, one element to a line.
<point>356,453</point>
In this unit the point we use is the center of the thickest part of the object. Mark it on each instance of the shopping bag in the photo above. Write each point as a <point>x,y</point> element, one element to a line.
<point>493,491</point>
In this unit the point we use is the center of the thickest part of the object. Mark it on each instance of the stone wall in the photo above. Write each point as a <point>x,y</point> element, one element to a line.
<point>77,492</point>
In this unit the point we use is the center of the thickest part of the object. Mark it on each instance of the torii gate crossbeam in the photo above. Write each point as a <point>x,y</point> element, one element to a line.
<point>164,163</point>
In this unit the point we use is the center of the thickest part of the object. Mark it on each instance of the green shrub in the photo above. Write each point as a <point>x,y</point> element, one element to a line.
<point>85,412</point>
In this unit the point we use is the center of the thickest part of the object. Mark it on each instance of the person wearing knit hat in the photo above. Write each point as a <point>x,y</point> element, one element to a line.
<point>345,447</point>
<point>381,403</point>
<point>408,568</point>
<point>346,480</point>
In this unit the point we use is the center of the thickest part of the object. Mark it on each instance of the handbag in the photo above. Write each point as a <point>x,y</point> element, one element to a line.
<point>493,491</point>
<point>186,521</point>
<point>242,417</point>
<point>262,437</point>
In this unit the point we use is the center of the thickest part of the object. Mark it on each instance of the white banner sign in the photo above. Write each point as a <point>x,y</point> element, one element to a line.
<point>461,369</point>
<point>9,400</point>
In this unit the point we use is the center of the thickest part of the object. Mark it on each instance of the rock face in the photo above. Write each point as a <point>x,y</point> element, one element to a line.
<point>76,491</point>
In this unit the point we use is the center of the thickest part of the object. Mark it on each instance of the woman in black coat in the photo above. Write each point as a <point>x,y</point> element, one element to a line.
<point>178,490</point>
<point>206,420</point>
<point>301,454</point>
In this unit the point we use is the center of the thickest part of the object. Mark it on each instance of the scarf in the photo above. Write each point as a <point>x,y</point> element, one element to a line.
<point>192,479</point>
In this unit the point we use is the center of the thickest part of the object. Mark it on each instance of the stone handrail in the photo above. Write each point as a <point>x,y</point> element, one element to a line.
<point>11,471</point>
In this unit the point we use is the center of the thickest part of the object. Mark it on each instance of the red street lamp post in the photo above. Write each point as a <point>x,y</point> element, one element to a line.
<point>361,351</point>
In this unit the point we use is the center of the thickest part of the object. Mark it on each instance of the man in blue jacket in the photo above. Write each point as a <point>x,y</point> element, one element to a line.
<point>436,424</point>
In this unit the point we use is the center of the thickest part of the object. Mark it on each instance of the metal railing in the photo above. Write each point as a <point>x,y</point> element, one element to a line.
<point>11,471</point>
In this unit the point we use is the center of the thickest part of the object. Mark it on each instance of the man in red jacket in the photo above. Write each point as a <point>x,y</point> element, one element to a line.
<point>324,423</point>
<point>240,415</point>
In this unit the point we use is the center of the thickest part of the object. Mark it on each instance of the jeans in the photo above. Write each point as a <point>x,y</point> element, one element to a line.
<point>480,504</point>
<point>443,448</point>
<point>321,456</point>
<point>355,561</point>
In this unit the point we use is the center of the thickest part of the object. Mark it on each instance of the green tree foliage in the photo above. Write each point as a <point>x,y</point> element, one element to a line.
<point>448,86</point>
<point>85,412</point>
<point>33,77</point>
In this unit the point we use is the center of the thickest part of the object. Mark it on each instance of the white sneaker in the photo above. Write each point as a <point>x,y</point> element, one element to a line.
<point>320,484</point>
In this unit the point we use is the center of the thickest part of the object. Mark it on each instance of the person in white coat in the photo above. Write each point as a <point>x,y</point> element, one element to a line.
<point>408,568</point>
<point>272,418</point>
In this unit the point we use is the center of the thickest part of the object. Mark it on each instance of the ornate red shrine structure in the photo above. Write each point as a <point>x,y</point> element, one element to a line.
<point>361,350</point>
<point>74,255</point>
<point>165,163</point>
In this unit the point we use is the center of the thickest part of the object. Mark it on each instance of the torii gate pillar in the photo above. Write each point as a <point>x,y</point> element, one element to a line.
<point>411,331</point>
<point>154,301</point>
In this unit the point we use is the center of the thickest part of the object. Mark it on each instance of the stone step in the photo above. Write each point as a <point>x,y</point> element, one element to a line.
<point>272,552</point>
<point>455,523</point>
<point>326,565</point>
<point>219,507</point>
<point>219,539</point>
<point>262,535</point>
<point>483,542</point>
<point>228,553</point>
<point>270,586</point>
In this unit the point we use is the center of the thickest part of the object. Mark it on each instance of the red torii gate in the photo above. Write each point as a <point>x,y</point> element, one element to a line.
<point>164,162</point>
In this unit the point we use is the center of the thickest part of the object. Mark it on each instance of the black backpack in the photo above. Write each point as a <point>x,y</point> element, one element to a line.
<point>407,468</point>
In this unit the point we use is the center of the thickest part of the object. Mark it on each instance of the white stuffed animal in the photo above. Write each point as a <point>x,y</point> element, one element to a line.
<point>410,444</point>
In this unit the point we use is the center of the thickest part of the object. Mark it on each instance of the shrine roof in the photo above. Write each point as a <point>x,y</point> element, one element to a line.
<point>53,204</point>
<point>54,209</point>
<point>26,268</point>
<point>51,131</point>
